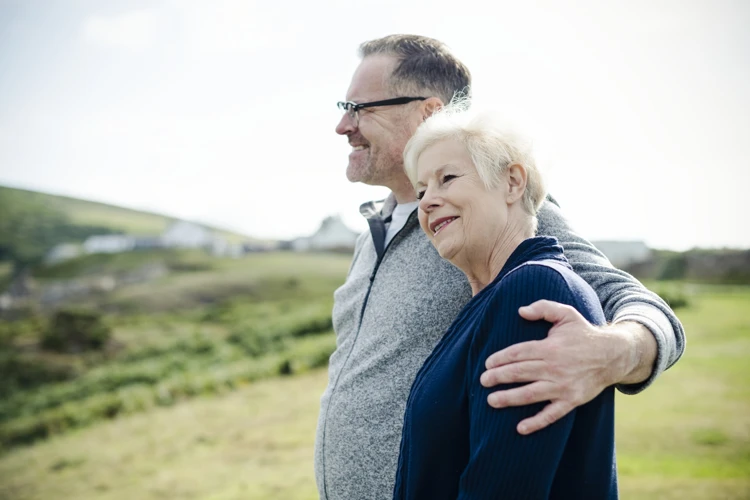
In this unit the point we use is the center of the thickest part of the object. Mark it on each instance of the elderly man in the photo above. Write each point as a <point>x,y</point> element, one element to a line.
<point>400,296</point>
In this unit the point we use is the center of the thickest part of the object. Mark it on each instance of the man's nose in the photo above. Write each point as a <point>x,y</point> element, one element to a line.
<point>346,125</point>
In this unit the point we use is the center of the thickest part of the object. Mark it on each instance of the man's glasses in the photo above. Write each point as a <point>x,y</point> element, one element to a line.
<point>352,108</point>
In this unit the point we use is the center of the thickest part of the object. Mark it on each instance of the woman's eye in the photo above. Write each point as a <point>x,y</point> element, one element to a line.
<point>420,195</point>
<point>448,177</point>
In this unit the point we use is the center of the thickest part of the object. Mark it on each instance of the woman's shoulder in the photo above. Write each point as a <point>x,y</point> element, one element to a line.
<point>548,280</point>
<point>543,273</point>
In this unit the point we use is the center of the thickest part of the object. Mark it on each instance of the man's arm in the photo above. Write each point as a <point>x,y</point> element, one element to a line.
<point>643,339</point>
<point>623,298</point>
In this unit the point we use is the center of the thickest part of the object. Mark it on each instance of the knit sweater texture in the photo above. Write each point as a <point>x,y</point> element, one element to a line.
<point>455,445</point>
<point>394,307</point>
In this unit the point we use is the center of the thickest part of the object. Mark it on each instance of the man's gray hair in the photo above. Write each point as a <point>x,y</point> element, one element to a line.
<point>492,147</point>
<point>424,65</point>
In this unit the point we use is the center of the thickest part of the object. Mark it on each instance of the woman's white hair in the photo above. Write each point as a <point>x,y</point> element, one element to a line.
<point>491,146</point>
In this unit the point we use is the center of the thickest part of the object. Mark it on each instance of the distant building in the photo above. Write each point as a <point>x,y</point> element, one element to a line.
<point>301,244</point>
<point>109,243</point>
<point>184,234</point>
<point>220,247</point>
<point>333,234</point>
<point>264,246</point>
<point>147,242</point>
<point>624,253</point>
<point>62,252</point>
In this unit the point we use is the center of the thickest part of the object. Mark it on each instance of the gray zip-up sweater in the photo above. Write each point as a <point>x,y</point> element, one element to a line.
<point>390,313</point>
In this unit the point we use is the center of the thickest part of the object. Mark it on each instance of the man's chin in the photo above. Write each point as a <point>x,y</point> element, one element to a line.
<point>357,173</point>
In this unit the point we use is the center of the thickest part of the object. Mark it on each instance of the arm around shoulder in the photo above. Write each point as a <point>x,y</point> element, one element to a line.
<point>623,298</point>
<point>529,462</point>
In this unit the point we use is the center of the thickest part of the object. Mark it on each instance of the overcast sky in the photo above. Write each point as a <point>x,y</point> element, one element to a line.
<point>224,111</point>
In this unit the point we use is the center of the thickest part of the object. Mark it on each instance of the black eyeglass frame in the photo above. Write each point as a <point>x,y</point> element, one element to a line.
<point>352,108</point>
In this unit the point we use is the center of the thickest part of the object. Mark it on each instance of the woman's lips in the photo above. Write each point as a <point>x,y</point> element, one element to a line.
<point>441,223</point>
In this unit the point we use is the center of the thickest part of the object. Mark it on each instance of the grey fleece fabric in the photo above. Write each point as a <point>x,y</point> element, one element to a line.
<point>388,316</point>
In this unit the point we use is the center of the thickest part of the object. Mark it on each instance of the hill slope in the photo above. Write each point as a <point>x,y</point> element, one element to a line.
<point>90,213</point>
<point>32,223</point>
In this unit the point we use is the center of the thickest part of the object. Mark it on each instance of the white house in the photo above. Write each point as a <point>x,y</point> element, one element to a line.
<point>333,234</point>
<point>109,243</point>
<point>220,247</point>
<point>301,244</point>
<point>62,252</point>
<point>184,234</point>
<point>623,253</point>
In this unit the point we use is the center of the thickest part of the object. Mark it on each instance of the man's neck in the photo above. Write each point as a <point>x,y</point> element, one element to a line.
<point>404,192</point>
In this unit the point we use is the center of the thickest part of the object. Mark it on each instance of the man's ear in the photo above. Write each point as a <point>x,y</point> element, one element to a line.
<point>517,178</point>
<point>430,106</point>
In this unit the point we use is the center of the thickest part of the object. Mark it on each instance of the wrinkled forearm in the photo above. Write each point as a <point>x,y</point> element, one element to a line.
<point>653,340</point>
<point>636,365</point>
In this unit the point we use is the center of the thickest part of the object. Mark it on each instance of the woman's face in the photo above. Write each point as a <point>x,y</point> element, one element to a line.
<point>463,219</point>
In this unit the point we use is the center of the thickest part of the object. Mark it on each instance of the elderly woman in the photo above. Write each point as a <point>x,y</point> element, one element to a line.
<point>479,191</point>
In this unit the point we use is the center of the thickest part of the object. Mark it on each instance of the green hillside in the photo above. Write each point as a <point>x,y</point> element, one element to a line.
<point>90,213</point>
<point>118,219</point>
<point>32,223</point>
<point>208,326</point>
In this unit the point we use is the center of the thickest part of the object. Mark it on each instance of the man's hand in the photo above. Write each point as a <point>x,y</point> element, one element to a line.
<point>572,366</point>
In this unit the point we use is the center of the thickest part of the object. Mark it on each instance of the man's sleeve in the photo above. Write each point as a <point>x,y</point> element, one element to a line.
<point>623,297</point>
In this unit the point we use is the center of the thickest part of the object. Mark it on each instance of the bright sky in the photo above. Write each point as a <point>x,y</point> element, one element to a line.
<point>224,111</point>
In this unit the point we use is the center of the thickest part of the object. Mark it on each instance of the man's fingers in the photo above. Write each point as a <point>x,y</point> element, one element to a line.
<point>521,396</point>
<point>525,351</point>
<point>549,415</point>
<point>554,312</point>
<point>525,371</point>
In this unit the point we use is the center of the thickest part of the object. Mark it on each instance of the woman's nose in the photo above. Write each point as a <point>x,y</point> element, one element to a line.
<point>429,201</point>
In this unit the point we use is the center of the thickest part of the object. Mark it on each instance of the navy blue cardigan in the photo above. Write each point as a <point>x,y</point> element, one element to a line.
<point>454,445</point>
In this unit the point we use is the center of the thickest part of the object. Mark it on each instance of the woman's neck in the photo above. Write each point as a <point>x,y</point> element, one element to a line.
<point>480,270</point>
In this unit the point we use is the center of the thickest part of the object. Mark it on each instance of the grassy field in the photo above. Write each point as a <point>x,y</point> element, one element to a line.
<point>209,328</point>
<point>688,437</point>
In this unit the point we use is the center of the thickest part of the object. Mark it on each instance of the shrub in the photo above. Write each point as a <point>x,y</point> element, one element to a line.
<point>674,296</point>
<point>21,372</point>
<point>265,336</point>
<point>166,390</point>
<point>73,330</point>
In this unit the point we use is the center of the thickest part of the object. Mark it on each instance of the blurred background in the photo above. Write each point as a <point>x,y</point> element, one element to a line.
<point>175,216</point>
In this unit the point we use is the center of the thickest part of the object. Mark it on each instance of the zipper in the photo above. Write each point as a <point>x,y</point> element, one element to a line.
<point>359,328</point>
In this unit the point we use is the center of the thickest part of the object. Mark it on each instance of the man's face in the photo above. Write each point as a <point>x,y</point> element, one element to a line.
<point>379,139</point>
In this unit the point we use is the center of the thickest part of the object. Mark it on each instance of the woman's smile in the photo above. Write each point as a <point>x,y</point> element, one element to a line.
<point>441,223</point>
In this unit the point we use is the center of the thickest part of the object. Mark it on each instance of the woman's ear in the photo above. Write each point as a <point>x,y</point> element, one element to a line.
<point>517,179</point>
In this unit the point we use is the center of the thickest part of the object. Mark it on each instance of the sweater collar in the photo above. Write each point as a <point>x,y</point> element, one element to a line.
<point>380,208</point>
<point>537,248</point>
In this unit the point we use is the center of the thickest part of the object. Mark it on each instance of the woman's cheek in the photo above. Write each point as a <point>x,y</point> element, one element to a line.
<point>423,222</point>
